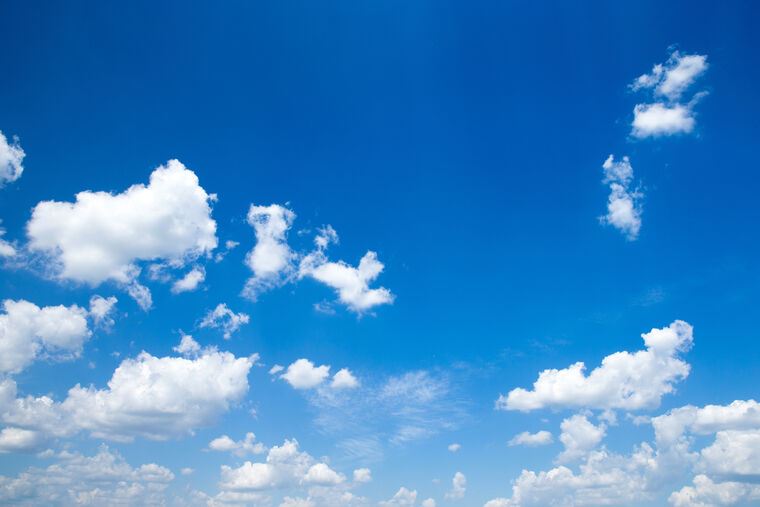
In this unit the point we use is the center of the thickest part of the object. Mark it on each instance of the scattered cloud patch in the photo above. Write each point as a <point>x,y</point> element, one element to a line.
<point>528,439</point>
<point>458,487</point>
<point>344,379</point>
<point>11,160</point>
<point>239,448</point>
<point>624,204</point>
<point>190,281</point>
<point>225,319</point>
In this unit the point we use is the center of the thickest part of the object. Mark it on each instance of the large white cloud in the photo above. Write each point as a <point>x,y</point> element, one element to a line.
<point>706,493</point>
<point>738,415</point>
<point>624,380</point>
<point>104,479</point>
<point>624,204</point>
<point>103,236</point>
<point>151,397</point>
<point>28,332</point>
<point>579,436</point>
<point>11,160</point>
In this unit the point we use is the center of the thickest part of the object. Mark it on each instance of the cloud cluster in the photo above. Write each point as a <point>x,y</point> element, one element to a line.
<point>667,115</point>
<point>274,263</point>
<point>624,203</point>
<point>624,380</point>
<point>239,448</point>
<point>150,397</point>
<point>104,236</point>
<point>104,479</point>
<point>304,374</point>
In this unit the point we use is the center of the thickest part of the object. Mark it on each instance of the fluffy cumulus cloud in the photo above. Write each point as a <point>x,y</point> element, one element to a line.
<point>303,374</point>
<point>271,259</point>
<point>190,281</point>
<point>102,310</point>
<point>286,468</point>
<point>458,487</point>
<point>403,498</point>
<point>6,248</point>
<point>668,115</point>
<point>579,436</point>
<point>706,493</point>
<point>11,160</point>
<point>624,203</point>
<point>151,397</point>
<point>225,319</point>
<point>624,380</point>
<point>248,445</point>
<point>362,475</point>
<point>344,379</point>
<point>528,439</point>
<point>104,236</point>
<point>28,332</point>
<point>103,479</point>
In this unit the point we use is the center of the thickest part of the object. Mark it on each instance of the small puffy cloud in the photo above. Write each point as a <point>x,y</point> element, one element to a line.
<point>362,475</point>
<point>28,332</point>
<point>579,436</point>
<point>103,479</point>
<point>238,448</point>
<point>706,493</point>
<point>528,439</point>
<point>624,204</point>
<point>323,475</point>
<point>19,440</point>
<point>190,281</point>
<point>303,374</point>
<point>403,498</point>
<point>458,487</point>
<point>6,248</point>
<point>274,370</point>
<point>674,77</point>
<point>103,236</point>
<point>186,471</point>
<point>344,379</point>
<point>11,160</point>
<point>285,466</point>
<point>102,310</point>
<point>658,119</point>
<point>225,319</point>
<point>351,283</point>
<point>428,502</point>
<point>271,259</point>
<point>454,447</point>
<point>187,346</point>
<point>624,380</point>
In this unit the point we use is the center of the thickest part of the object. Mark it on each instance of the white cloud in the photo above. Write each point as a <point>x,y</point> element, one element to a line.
<point>667,115</point>
<point>624,380</point>
<point>103,236</point>
<point>190,281</point>
<point>403,498</point>
<point>11,160</point>
<point>271,259</point>
<point>579,436</point>
<point>102,309</point>
<point>344,379</point>
<point>351,283</point>
<point>104,479</point>
<point>303,374</point>
<point>321,474</point>
<point>28,332</point>
<point>6,249</point>
<point>285,466</point>
<point>238,448</point>
<point>19,440</point>
<point>362,475</point>
<point>454,447</point>
<point>528,439</point>
<point>186,471</point>
<point>734,454</point>
<point>624,204</point>
<point>274,370</point>
<point>738,415</point>
<point>151,397</point>
<point>187,346</point>
<point>706,493</point>
<point>658,119</point>
<point>674,77</point>
<point>225,319</point>
<point>458,487</point>
<point>428,502</point>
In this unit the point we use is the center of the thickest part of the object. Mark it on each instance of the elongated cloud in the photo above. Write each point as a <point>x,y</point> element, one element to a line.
<point>624,204</point>
<point>103,236</point>
<point>11,160</point>
<point>624,380</point>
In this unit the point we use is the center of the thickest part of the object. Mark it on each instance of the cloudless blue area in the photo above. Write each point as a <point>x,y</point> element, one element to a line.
<point>462,141</point>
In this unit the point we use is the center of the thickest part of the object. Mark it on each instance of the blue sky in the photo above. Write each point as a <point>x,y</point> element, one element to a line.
<point>464,145</point>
